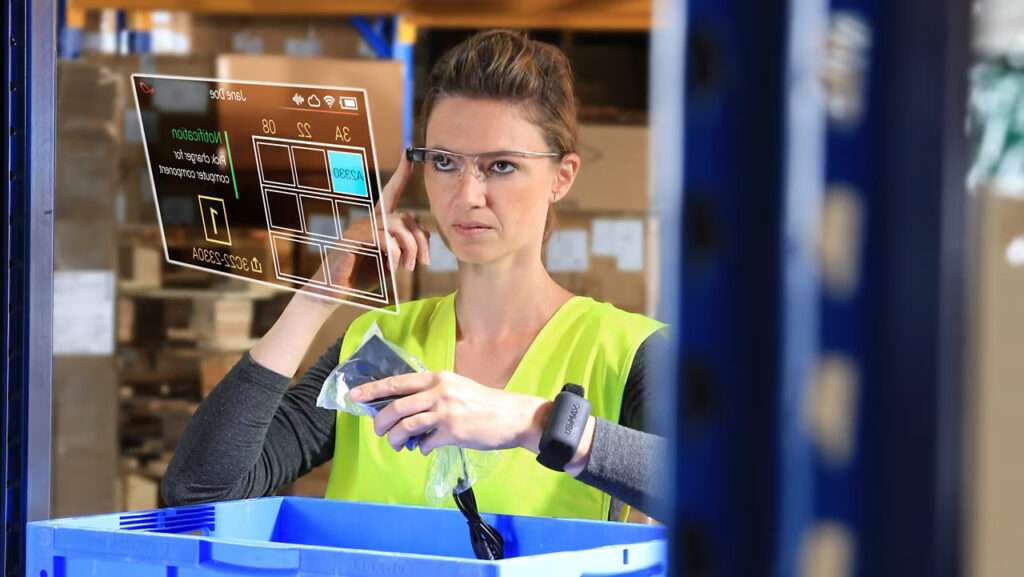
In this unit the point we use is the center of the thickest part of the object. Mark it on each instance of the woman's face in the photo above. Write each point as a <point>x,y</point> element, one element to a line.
<point>503,215</point>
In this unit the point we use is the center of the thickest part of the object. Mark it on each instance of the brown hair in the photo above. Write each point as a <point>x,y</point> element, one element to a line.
<point>507,65</point>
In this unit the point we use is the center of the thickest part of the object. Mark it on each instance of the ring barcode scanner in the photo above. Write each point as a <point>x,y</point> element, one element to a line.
<point>565,428</point>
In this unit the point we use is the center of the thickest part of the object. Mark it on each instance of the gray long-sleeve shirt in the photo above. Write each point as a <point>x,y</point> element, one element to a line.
<point>253,435</point>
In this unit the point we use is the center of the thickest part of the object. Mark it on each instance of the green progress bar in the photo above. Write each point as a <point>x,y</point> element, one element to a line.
<point>231,163</point>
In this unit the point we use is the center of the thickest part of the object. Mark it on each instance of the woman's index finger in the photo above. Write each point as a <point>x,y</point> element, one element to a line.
<point>393,190</point>
<point>398,385</point>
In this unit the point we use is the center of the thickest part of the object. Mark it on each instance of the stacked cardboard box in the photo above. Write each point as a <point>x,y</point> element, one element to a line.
<point>998,398</point>
<point>85,380</point>
<point>134,196</point>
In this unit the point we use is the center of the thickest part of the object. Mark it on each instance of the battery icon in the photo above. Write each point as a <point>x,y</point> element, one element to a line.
<point>349,103</point>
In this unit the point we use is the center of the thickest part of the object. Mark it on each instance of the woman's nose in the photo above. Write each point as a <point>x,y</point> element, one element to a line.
<point>471,169</point>
<point>472,189</point>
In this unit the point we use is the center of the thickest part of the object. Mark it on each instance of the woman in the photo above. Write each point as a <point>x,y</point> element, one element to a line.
<point>500,141</point>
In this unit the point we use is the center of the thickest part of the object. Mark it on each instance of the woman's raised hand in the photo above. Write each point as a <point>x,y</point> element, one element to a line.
<point>405,242</point>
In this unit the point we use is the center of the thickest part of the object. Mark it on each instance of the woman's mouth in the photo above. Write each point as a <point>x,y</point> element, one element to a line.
<point>471,229</point>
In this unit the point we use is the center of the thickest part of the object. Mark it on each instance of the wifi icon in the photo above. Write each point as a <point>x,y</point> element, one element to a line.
<point>329,100</point>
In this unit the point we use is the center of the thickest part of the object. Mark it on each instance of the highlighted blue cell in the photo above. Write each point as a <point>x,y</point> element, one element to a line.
<point>347,173</point>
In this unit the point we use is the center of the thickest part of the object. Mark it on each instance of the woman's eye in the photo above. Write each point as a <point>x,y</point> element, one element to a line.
<point>502,167</point>
<point>443,162</point>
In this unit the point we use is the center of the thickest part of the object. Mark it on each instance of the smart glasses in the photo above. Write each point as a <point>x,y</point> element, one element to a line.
<point>448,164</point>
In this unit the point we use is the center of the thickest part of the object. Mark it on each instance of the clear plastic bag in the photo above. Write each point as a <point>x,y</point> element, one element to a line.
<point>451,468</point>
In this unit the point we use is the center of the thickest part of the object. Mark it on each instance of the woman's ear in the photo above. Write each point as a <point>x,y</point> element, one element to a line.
<point>568,168</point>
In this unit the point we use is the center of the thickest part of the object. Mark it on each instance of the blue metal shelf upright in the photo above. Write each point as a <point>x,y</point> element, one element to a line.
<point>26,241</point>
<point>821,225</point>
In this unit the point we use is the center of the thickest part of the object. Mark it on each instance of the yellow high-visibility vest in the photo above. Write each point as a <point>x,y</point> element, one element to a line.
<point>586,342</point>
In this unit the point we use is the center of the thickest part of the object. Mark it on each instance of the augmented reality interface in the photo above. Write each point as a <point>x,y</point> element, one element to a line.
<point>268,182</point>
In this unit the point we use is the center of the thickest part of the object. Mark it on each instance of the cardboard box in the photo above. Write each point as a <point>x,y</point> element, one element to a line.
<point>125,320</point>
<point>87,95</point>
<point>998,398</point>
<point>133,189</point>
<point>382,79</point>
<point>141,492</point>
<point>81,245</point>
<point>613,171</point>
<point>124,65</point>
<point>223,322</point>
<point>609,257</point>
<point>89,103</point>
<point>87,179</point>
<point>140,266</point>
<point>313,483</point>
<point>121,67</point>
<point>85,446</point>
<point>606,257</point>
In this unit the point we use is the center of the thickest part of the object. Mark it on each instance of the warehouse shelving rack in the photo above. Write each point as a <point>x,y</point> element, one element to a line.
<point>766,341</point>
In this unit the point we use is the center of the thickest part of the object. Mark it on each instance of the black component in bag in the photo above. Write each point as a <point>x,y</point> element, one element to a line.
<point>375,360</point>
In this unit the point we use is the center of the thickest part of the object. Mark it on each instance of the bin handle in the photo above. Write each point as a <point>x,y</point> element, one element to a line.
<point>262,557</point>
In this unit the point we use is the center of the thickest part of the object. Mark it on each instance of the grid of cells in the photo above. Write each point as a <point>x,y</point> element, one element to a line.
<point>312,192</point>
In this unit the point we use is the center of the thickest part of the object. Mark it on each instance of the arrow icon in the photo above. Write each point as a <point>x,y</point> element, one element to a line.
<point>256,266</point>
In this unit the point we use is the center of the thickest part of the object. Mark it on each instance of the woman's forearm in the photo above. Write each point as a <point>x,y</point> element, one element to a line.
<point>624,463</point>
<point>615,459</point>
<point>284,346</point>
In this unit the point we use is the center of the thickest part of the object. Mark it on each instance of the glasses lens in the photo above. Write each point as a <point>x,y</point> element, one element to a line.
<point>443,162</point>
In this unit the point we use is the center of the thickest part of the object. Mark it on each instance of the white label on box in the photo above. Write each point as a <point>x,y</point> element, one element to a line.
<point>604,233</point>
<point>83,312</point>
<point>441,259</point>
<point>1015,252</point>
<point>302,46</point>
<point>246,43</point>
<point>568,251</point>
<point>622,239</point>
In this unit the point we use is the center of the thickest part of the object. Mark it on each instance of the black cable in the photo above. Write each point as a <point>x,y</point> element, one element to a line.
<point>488,544</point>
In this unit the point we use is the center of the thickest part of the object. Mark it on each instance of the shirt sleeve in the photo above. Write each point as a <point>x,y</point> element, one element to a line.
<point>252,435</point>
<point>623,456</point>
<point>635,393</point>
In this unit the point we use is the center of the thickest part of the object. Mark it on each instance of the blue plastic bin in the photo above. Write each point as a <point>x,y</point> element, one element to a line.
<point>281,536</point>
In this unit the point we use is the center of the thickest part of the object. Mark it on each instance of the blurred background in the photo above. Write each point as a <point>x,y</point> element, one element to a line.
<point>825,200</point>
